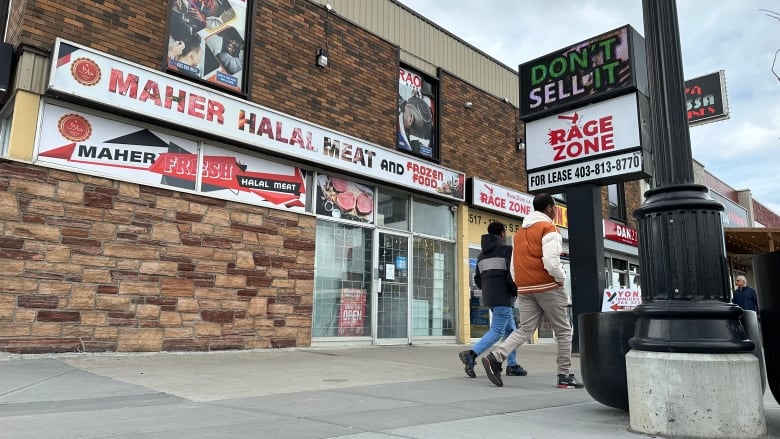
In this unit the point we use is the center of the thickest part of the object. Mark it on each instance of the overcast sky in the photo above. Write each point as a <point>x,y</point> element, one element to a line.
<point>737,36</point>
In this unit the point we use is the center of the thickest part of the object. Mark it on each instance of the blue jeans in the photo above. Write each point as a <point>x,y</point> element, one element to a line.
<point>502,325</point>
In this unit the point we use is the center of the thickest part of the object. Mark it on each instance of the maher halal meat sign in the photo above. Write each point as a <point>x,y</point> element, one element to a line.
<point>606,65</point>
<point>100,146</point>
<point>81,72</point>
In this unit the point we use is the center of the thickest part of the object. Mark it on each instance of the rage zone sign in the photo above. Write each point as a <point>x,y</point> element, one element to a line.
<point>604,128</point>
<point>581,138</point>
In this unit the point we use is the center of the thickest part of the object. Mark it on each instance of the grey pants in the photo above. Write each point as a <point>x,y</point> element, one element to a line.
<point>554,304</point>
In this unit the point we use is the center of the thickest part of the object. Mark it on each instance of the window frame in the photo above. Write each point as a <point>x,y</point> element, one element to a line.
<point>617,210</point>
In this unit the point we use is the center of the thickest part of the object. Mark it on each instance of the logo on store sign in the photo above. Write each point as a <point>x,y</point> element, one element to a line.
<point>629,235</point>
<point>85,71</point>
<point>74,127</point>
<point>582,137</point>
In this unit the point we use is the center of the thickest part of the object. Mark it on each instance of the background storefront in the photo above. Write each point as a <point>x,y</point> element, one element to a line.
<point>191,192</point>
<point>491,202</point>
<point>621,260</point>
<point>389,277</point>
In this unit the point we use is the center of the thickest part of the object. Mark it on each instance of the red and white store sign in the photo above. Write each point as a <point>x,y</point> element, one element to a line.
<point>500,199</point>
<point>621,233</point>
<point>99,146</point>
<point>588,132</point>
<point>98,77</point>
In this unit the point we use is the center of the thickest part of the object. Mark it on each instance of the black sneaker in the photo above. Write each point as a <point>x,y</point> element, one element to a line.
<point>492,369</point>
<point>516,370</point>
<point>568,382</point>
<point>469,360</point>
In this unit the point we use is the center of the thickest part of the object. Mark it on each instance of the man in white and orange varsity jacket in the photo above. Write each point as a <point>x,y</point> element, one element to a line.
<point>539,277</point>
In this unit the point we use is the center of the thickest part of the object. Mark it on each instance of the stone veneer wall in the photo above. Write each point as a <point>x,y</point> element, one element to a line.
<point>90,264</point>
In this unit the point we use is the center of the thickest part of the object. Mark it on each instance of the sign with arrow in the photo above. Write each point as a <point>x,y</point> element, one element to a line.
<point>94,145</point>
<point>621,299</point>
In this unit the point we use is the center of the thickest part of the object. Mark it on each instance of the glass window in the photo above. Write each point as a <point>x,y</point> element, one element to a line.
<point>5,130</point>
<point>433,219</point>
<point>392,210</point>
<point>617,201</point>
<point>5,10</point>
<point>434,306</point>
<point>619,273</point>
<point>479,314</point>
<point>342,281</point>
<point>633,274</point>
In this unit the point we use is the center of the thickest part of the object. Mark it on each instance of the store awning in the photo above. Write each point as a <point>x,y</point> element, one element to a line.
<point>752,240</point>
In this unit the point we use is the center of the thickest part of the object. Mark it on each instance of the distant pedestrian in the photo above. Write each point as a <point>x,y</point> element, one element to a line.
<point>744,295</point>
<point>493,277</point>
<point>539,276</point>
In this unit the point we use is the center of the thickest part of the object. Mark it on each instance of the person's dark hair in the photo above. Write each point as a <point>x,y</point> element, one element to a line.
<point>230,34</point>
<point>423,118</point>
<point>495,228</point>
<point>191,43</point>
<point>543,201</point>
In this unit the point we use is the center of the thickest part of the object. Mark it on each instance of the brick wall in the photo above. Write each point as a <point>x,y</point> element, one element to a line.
<point>90,264</point>
<point>633,192</point>
<point>480,140</point>
<point>356,94</point>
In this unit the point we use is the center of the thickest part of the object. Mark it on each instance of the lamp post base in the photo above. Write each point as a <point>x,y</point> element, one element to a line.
<point>695,395</point>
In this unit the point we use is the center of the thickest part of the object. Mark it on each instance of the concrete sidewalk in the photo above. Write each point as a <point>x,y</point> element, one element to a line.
<point>360,393</point>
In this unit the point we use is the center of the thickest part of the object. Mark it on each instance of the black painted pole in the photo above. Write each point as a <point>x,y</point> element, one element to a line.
<point>586,248</point>
<point>682,252</point>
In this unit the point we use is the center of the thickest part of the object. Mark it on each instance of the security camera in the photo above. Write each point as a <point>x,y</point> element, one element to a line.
<point>506,100</point>
<point>454,208</point>
<point>328,6</point>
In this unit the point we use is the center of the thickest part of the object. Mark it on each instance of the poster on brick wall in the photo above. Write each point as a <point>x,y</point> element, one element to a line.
<point>207,40</point>
<point>352,312</point>
<point>416,114</point>
<point>95,145</point>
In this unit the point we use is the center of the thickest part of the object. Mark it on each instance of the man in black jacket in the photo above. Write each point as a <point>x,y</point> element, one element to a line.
<point>744,295</point>
<point>498,292</point>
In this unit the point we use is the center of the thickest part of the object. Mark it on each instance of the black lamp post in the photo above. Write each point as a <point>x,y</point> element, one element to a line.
<point>685,291</point>
<point>690,362</point>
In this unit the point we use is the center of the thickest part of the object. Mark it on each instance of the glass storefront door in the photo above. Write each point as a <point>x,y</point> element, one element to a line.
<point>392,292</point>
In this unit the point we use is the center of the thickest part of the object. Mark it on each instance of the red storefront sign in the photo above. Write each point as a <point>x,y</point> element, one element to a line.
<point>620,233</point>
<point>352,312</point>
